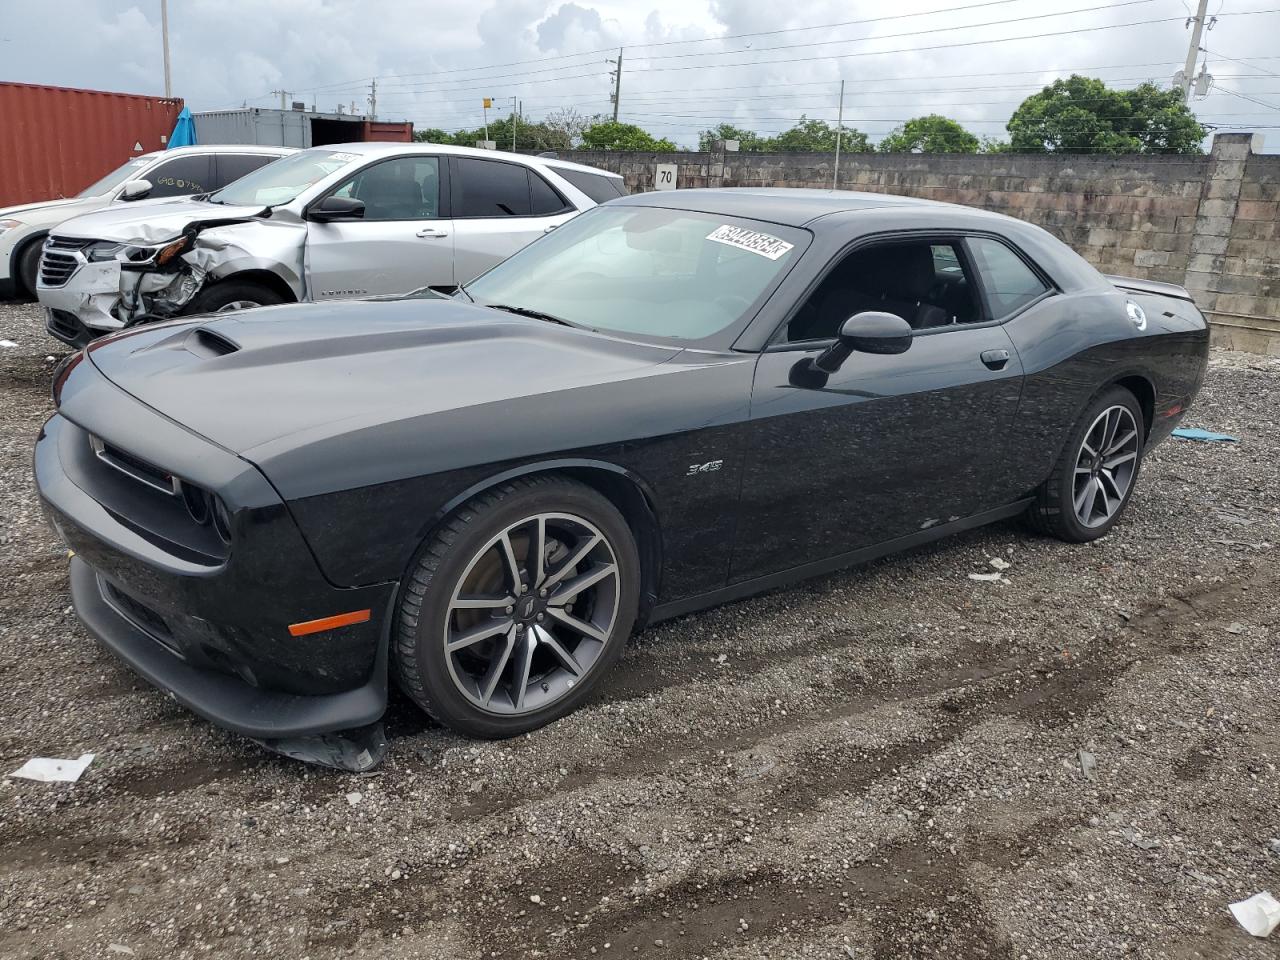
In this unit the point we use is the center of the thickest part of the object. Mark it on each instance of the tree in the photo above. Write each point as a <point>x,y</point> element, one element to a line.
<point>930,134</point>
<point>565,127</point>
<point>613,135</point>
<point>748,140</point>
<point>818,136</point>
<point>1084,115</point>
<point>432,135</point>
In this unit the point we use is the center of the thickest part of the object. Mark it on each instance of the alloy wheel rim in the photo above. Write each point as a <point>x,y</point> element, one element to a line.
<point>237,305</point>
<point>1105,466</point>
<point>532,613</point>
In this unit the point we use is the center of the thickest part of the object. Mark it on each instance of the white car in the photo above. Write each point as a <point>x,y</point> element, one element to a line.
<point>174,173</point>
<point>328,223</point>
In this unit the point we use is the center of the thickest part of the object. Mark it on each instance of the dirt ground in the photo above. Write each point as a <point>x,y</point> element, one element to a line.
<point>882,763</point>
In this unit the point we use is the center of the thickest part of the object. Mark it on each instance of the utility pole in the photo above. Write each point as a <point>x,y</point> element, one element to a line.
<point>617,83</point>
<point>515,122</point>
<point>1197,24</point>
<point>164,36</point>
<point>284,98</point>
<point>373,99</point>
<point>835,174</point>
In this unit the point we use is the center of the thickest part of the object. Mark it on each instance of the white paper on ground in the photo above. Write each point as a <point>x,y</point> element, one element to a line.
<point>1259,915</point>
<point>53,770</point>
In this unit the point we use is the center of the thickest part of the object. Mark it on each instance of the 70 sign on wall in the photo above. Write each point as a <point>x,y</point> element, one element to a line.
<point>664,176</point>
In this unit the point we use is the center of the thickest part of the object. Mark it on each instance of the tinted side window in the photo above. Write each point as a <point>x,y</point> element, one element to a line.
<point>544,198</point>
<point>1008,282</point>
<point>406,188</point>
<point>595,186</point>
<point>180,177</point>
<point>922,281</point>
<point>489,188</point>
<point>233,166</point>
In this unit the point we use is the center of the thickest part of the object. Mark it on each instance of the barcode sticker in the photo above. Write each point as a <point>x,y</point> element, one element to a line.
<point>766,246</point>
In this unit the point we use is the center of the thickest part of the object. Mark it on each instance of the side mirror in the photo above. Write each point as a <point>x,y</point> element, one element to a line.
<point>868,332</point>
<point>135,190</point>
<point>336,208</point>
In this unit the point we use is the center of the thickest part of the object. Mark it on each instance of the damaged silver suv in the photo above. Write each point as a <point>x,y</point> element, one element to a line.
<point>335,222</point>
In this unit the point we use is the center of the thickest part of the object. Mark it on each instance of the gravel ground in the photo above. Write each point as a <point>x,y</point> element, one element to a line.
<point>880,763</point>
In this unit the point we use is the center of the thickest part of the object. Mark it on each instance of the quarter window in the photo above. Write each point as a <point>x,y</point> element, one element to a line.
<point>490,188</point>
<point>1007,281</point>
<point>180,177</point>
<point>598,188</point>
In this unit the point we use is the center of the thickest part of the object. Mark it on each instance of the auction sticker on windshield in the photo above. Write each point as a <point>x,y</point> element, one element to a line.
<point>744,239</point>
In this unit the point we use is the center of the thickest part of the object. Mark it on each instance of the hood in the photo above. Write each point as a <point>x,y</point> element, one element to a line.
<point>281,377</point>
<point>48,212</point>
<point>151,222</point>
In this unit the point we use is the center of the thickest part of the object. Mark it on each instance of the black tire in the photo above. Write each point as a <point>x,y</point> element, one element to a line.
<point>29,266</point>
<point>1054,510</point>
<point>221,295</point>
<point>420,663</point>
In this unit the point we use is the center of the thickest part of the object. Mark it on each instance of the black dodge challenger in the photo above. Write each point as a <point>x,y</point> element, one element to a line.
<point>672,401</point>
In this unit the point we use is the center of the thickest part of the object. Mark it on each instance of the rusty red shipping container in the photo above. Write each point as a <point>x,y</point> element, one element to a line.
<point>387,131</point>
<point>55,141</point>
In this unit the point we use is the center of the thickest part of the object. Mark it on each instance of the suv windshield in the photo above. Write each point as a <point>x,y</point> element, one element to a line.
<point>282,180</point>
<point>119,175</point>
<point>645,270</point>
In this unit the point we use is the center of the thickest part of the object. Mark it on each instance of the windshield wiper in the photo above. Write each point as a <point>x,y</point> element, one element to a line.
<point>535,314</point>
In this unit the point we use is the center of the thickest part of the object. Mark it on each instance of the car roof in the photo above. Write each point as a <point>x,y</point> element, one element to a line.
<point>381,147</point>
<point>790,206</point>
<point>205,149</point>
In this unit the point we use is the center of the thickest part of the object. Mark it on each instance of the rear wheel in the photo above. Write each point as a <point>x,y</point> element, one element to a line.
<point>516,608</point>
<point>233,294</point>
<point>29,266</point>
<point>1094,478</point>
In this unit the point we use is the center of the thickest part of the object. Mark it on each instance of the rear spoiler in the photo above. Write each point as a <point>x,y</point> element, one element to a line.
<point>1134,285</point>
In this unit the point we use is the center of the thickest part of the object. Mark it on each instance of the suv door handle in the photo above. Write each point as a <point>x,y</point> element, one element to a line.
<point>995,359</point>
<point>432,234</point>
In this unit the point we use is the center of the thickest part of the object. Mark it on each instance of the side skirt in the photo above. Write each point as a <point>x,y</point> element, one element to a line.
<point>736,591</point>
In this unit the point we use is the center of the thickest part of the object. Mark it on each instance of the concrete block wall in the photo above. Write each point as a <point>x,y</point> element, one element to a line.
<point>1210,223</point>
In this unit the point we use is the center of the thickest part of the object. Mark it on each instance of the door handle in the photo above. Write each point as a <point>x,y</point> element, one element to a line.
<point>432,234</point>
<point>550,228</point>
<point>995,359</point>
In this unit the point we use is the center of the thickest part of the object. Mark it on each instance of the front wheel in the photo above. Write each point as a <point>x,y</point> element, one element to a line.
<point>515,609</point>
<point>232,294</point>
<point>29,266</point>
<point>1094,478</point>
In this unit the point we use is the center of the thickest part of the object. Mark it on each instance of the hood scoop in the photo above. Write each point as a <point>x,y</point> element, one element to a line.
<point>208,344</point>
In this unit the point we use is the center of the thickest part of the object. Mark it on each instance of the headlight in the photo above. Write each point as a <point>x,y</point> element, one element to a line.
<point>102,250</point>
<point>7,225</point>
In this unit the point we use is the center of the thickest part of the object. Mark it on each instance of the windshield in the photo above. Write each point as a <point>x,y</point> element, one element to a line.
<point>645,270</point>
<point>119,175</point>
<point>282,180</point>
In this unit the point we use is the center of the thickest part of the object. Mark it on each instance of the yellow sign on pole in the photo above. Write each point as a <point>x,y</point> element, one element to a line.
<point>488,102</point>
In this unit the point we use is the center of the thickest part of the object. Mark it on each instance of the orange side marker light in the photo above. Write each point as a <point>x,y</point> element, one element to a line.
<point>329,623</point>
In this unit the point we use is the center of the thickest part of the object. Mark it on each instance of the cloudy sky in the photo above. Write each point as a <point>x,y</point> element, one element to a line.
<point>687,64</point>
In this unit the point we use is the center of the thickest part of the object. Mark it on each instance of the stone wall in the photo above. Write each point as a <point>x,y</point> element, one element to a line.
<point>1210,223</point>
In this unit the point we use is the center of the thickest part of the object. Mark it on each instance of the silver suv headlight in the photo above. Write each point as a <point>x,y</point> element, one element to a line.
<point>101,250</point>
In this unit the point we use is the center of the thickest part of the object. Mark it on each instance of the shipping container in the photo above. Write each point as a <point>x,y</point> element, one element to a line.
<point>294,128</point>
<point>55,141</point>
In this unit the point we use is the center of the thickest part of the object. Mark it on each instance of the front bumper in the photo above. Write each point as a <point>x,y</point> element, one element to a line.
<point>90,294</point>
<point>212,630</point>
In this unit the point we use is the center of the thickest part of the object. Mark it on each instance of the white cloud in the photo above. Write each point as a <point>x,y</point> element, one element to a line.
<point>435,59</point>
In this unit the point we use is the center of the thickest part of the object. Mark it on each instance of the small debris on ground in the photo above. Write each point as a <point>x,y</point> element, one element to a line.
<point>53,769</point>
<point>1087,763</point>
<point>1205,436</point>
<point>1259,915</point>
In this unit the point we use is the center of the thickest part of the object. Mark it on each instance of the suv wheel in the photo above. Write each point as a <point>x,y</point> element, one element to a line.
<point>233,294</point>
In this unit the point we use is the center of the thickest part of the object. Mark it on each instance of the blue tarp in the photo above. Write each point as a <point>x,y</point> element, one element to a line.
<point>184,131</point>
<point>1208,436</point>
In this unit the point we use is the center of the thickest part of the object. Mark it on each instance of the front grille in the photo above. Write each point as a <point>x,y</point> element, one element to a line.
<point>60,261</point>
